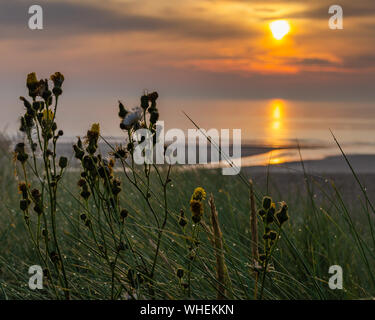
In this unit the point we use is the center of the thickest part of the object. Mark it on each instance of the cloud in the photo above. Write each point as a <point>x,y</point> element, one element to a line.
<point>319,11</point>
<point>71,18</point>
<point>360,61</point>
<point>135,61</point>
<point>315,62</point>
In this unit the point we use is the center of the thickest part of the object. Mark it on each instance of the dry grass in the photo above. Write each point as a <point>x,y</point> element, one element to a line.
<point>221,268</point>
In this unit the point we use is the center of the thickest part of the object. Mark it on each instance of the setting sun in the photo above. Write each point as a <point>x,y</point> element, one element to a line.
<point>279,29</point>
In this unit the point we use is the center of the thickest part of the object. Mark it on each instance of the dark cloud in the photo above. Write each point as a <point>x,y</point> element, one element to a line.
<point>305,86</point>
<point>314,62</point>
<point>360,62</point>
<point>64,18</point>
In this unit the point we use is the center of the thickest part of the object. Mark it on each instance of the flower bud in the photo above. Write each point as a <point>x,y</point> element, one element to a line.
<point>78,153</point>
<point>282,215</point>
<point>262,212</point>
<point>24,204</point>
<point>124,213</point>
<point>32,84</point>
<point>266,203</point>
<point>58,80</point>
<point>272,235</point>
<point>57,91</point>
<point>182,221</point>
<point>180,273</point>
<point>38,208</point>
<point>122,111</point>
<point>63,162</point>
<point>144,102</point>
<point>154,117</point>
<point>26,103</point>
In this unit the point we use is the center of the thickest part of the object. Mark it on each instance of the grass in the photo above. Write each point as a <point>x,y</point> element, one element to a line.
<point>147,241</point>
<point>312,241</point>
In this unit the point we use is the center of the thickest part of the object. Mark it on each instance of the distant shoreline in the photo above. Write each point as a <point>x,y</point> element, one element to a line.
<point>317,158</point>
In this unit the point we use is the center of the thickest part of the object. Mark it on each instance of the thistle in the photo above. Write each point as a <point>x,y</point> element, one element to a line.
<point>32,84</point>
<point>57,79</point>
<point>270,236</point>
<point>182,221</point>
<point>39,127</point>
<point>196,204</point>
<point>197,210</point>
<point>92,138</point>
<point>199,194</point>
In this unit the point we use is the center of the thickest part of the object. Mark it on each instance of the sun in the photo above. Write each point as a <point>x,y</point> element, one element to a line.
<point>279,29</point>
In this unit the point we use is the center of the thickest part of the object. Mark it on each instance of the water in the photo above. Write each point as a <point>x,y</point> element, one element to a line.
<point>272,130</point>
<point>283,125</point>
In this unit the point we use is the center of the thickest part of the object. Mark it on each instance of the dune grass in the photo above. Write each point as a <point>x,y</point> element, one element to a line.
<point>317,236</point>
<point>113,230</point>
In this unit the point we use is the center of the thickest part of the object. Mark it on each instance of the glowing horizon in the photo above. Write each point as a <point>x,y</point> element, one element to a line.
<point>198,50</point>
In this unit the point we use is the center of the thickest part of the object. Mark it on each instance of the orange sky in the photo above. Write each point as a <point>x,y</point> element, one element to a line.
<point>190,51</point>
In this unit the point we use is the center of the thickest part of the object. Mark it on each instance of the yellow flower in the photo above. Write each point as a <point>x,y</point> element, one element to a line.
<point>199,194</point>
<point>92,138</point>
<point>95,128</point>
<point>47,115</point>
<point>32,81</point>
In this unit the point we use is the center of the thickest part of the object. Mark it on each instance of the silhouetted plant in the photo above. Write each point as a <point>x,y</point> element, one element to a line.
<point>272,222</point>
<point>39,196</point>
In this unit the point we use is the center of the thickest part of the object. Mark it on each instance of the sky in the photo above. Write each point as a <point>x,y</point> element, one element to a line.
<point>214,59</point>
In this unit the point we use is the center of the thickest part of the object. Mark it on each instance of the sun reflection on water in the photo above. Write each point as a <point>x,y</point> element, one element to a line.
<point>276,130</point>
